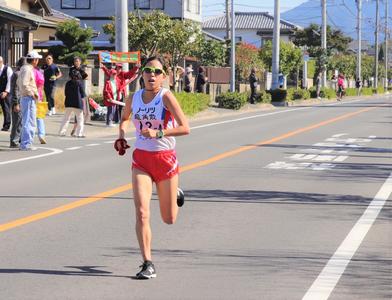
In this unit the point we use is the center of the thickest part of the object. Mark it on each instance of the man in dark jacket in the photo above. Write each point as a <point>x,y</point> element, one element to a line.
<point>201,81</point>
<point>253,85</point>
<point>16,115</point>
<point>5,88</point>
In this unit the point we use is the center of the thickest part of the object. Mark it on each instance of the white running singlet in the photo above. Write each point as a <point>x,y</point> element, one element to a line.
<point>152,115</point>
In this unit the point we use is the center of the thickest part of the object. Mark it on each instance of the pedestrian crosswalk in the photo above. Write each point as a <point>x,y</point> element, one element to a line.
<point>323,155</point>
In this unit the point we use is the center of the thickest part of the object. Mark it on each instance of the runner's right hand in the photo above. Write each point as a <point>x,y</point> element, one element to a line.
<point>121,146</point>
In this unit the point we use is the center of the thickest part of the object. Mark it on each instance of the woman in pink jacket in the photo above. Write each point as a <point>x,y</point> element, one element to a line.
<point>40,81</point>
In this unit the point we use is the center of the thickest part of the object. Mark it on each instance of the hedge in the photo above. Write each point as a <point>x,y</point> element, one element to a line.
<point>232,100</point>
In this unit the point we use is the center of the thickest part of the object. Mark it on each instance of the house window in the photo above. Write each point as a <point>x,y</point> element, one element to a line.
<point>150,4</point>
<point>76,4</point>
<point>238,39</point>
<point>193,6</point>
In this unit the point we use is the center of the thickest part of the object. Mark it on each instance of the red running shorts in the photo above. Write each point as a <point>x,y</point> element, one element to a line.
<point>160,165</point>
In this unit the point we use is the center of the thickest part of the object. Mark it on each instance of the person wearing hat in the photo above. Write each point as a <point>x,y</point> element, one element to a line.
<point>28,96</point>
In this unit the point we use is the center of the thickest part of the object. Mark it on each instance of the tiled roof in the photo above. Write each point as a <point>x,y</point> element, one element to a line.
<point>248,20</point>
<point>24,16</point>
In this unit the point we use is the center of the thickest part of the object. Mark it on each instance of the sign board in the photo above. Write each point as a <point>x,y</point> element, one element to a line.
<point>119,57</point>
<point>306,57</point>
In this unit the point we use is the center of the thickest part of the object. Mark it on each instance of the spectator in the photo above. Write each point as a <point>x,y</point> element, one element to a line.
<point>318,85</point>
<point>29,95</point>
<point>40,82</point>
<point>16,115</point>
<point>74,94</point>
<point>188,79</point>
<point>201,81</point>
<point>123,79</point>
<point>51,74</point>
<point>340,87</point>
<point>358,85</point>
<point>253,85</point>
<point>77,65</point>
<point>110,93</point>
<point>177,78</point>
<point>5,88</point>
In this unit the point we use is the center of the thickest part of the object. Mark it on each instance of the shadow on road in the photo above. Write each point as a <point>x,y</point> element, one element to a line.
<point>79,271</point>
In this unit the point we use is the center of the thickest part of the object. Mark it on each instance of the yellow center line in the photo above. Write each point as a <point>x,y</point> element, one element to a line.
<point>126,187</point>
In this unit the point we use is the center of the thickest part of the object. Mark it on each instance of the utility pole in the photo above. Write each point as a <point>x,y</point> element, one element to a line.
<point>324,40</point>
<point>232,58</point>
<point>276,47</point>
<point>227,20</point>
<point>359,39</point>
<point>121,42</point>
<point>376,48</point>
<point>386,46</point>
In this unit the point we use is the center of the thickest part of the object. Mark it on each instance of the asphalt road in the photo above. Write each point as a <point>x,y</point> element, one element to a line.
<point>292,203</point>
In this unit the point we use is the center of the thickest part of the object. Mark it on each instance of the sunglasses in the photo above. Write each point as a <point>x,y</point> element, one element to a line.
<point>156,71</point>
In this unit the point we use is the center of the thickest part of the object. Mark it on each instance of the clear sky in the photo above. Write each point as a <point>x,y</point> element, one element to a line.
<point>217,7</point>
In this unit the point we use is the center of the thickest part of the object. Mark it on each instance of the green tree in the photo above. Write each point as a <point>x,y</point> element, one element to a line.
<point>310,37</point>
<point>290,57</point>
<point>344,63</point>
<point>367,66</point>
<point>180,42</point>
<point>76,42</point>
<point>146,33</point>
<point>247,57</point>
<point>210,52</point>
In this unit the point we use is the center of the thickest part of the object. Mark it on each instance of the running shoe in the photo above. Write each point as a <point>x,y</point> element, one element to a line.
<point>147,271</point>
<point>180,197</point>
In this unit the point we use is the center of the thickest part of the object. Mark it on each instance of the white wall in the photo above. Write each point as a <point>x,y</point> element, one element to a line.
<point>247,36</point>
<point>106,8</point>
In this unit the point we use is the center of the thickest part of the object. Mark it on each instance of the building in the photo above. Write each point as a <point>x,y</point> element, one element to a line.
<point>250,27</point>
<point>23,23</point>
<point>96,13</point>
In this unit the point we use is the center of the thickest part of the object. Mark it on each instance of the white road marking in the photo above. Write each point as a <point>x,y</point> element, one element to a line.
<point>247,118</point>
<point>325,283</point>
<point>340,158</point>
<point>372,136</point>
<point>92,145</point>
<point>339,135</point>
<point>53,152</point>
<point>73,148</point>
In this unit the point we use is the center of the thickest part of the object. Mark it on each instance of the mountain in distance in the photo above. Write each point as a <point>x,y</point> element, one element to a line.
<point>342,14</point>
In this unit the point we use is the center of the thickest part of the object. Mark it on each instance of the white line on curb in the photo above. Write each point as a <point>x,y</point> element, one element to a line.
<point>325,283</point>
<point>54,151</point>
<point>247,118</point>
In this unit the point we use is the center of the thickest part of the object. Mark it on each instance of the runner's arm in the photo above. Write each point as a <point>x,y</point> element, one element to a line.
<point>174,107</point>
<point>125,117</point>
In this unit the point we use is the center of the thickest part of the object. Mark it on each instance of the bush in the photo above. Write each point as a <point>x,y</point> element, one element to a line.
<point>263,97</point>
<point>232,100</point>
<point>297,94</point>
<point>379,90</point>
<point>192,103</point>
<point>367,91</point>
<point>278,95</point>
<point>324,93</point>
<point>350,92</point>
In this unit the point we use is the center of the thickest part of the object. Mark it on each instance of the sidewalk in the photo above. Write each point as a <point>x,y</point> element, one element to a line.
<point>98,129</point>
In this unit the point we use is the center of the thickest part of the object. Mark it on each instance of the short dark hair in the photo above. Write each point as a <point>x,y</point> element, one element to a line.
<point>21,62</point>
